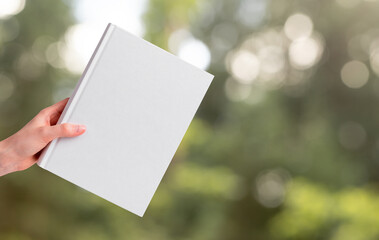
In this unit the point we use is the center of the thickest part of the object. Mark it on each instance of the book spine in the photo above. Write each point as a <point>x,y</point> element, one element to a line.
<point>43,159</point>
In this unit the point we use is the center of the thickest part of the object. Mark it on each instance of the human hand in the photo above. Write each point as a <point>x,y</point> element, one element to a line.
<point>21,150</point>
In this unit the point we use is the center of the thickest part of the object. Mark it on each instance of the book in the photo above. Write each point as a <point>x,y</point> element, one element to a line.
<point>137,102</point>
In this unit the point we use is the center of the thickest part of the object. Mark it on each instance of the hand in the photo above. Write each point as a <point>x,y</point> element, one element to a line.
<point>21,150</point>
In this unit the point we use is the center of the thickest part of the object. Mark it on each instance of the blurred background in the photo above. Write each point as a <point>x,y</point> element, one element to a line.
<point>284,146</point>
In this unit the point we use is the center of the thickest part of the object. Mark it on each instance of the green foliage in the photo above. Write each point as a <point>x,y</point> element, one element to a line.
<point>313,211</point>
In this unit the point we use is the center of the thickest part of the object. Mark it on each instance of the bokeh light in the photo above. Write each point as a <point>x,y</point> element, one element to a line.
<point>271,187</point>
<point>261,59</point>
<point>251,13</point>
<point>126,14</point>
<point>298,26</point>
<point>81,40</point>
<point>354,74</point>
<point>9,8</point>
<point>244,66</point>
<point>305,53</point>
<point>176,38</point>
<point>272,58</point>
<point>29,68</point>
<point>54,53</point>
<point>195,52</point>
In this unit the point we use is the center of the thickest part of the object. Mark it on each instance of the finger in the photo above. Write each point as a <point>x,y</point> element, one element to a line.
<point>54,118</point>
<point>61,130</point>
<point>55,109</point>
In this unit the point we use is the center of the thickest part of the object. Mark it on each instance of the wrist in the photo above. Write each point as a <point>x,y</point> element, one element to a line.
<point>6,149</point>
<point>7,156</point>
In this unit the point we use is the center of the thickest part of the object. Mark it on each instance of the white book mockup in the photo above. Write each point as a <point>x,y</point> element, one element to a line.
<point>137,102</point>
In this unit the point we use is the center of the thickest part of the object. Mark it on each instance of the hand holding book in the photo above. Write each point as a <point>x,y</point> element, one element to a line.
<point>21,150</point>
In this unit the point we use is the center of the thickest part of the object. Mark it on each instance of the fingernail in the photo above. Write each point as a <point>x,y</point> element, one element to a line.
<point>80,128</point>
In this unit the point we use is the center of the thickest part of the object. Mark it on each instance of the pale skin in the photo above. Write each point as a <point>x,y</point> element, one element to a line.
<point>21,150</point>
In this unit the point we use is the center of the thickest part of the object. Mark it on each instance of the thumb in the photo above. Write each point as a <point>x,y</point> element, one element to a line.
<point>63,130</point>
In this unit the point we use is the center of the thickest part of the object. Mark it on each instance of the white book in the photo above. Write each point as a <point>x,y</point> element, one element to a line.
<point>137,102</point>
